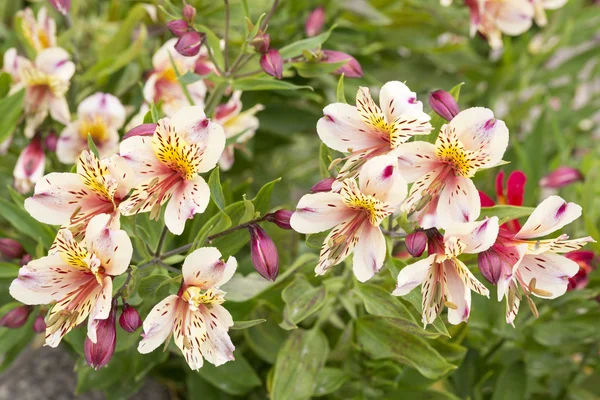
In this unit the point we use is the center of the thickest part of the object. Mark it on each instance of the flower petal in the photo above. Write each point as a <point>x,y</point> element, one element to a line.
<point>459,202</point>
<point>396,100</point>
<point>105,106</point>
<point>416,159</point>
<point>369,253</point>
<point>413,275</point>
<point>59,109</point>
<point>549,216</point>
<point>514,17</point>
<point>70,144</point>
<point>319,212</point>
<point>550,271</point>
<point>471,237</point>
<point>205,269</point>
<point>137,151</point>
<point>423,191</point>
<point>380,178</point>
<point>188,333</point>
<point>101,308</point>
<point>459,295</point>
<point>191,197</point>
<point>159,324</point>
<point>217,348</point>
<point>109,243</point>
<point>469,279</point>
<point>54,61</point>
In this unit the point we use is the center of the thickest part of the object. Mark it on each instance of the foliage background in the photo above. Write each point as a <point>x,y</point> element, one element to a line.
<point>327,336</point>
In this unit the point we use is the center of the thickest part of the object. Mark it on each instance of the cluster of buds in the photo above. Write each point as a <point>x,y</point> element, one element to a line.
<point>190,40</point>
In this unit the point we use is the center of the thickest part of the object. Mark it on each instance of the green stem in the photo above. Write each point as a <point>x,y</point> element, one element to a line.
<point>183,86</point>
<point>226,38</point>
<point>215,98</point>
<point>161,240</point>
<point>212,58</point>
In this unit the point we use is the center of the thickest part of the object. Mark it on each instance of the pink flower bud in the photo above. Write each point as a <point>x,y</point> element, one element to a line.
<point>281,218</point>
<point>25,259</point>
<point>39,325</point>
<point>62,6</point>
<point>189,13</point>
<point>416,243</point>
<point>178,27</point>
<point>587,261</point>
<point>314,22</point>
<point>351,69</point>
<point>443,104</point>
<point>30,166</point>
<point>560,177</point>
<point>16,317</point>
<point>189,43</point>
<point>261,43</point>
<point>263,253</point>
<point>130,319</point>
<point>141,130</point>
<point>98,354</point>
<point>272,63</point>
<point>10,248</point>
<point>50,141</point>
<point>323,186</point>
<point>492,265</point>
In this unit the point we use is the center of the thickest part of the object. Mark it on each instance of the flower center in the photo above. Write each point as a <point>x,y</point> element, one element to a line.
<point>175,152</point>
<point>195,296</point>
<point>452,152</point>
<point>94,126</point>
<point>34,78</point>
<point>375,209</point>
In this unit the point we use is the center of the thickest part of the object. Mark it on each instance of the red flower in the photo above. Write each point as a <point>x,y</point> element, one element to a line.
<point>512,196</point>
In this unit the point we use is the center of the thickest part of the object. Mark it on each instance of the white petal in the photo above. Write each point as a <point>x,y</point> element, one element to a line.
<point>159,324</point>
<point>190,198</point>
<point>413,275</point>
<point>109,243</point>
<point>369,253</point>
<point>471,237</point>
<point>514,17</point>
<point>380,178</point>
<point>319,212</point>
<point>423,191</point>
<point>396,99</point>
<point>459,202</point>
<point>549,216</point>
<point>415,159</point>
<point>551,273</point>
<point>205,269</point>
<point>101,308</point>
<point>342,129</point>
<point>217,348</point>
<point>459,294</point>
<point>553,4</point>
<point>104,105</point>
<point>70,144</point>
<point>59,109</point>
<point>55,61</point>
<point>138,153</point>
<point>469,279</point>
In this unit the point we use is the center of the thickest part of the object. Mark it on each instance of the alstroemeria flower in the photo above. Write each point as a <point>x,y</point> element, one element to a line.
<point>442,173</point>
<point>238,124</point>
<point>163,87</point>
<point>355,214</point>
<point>72,199</point>
<point>46,82</point>
<point>513,195</point>
<point>195,317</point>
<point>587,261</point>
<point>540,7</point>
<point>492,18</point>
<point>30,166</point>
<point>168,165</point>
<point>533,264</point>
<point>40,33</point>
<point>78,276</point>
<point>12,63</point>
<point>445,279</point>
<point>100,115</point>
<point>366,131</point>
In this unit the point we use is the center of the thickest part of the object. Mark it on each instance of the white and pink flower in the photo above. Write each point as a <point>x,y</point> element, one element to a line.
<point>238,125</point>
<point>195,316</point>
<point>73,199</point>
<point>367,130</point>
<point>355,214</point>
<point>444,279</point>
<point>536,265</point>
<point>100,115</point>
<point>77,276</point>
<point>40,33</point>
<point>168,163</point>
<point>30,166</point>
<point>442,173</point>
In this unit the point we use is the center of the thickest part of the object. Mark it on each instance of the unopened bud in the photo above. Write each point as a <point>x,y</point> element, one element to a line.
<point>281,218</point>
<point>272,63</point>
<point>263,253</point>
<point>39,325</point>
<point>141,130</point>
<point>16,317</point>
<point>435,242</point>
<point>130,319</point>
<point>50,141</point>
<point>189,13</point>
<point>416,243</point>
<point>30,166</point>
<point>261,43</point>
<point>323,186</point>
<point>490,265</point>
<point>98,354</point>
<point>178,27</point>
<point>62,6</point>
<point>443,104</point>
<point>314,22</point>
<point>560,177</point>
<point>10,248</point>
<point>25,259</point>
<point>189,43</point>
<point>351,69</point>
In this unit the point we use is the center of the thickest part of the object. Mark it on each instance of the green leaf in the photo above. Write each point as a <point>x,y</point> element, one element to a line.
<point>236,377</point>
<point>313,69</point>
<point>329,381</point>
<point>150,285</point>
<point>242,288</point>
<point>122,38</point>
<point>263,197</point>
<point>299,363</point>
<point>11,108</point>
<point>265,83</point>
<point>216,190</point>
<point>414,298</point>
<point>383,338</point>
<point>214,43</point>
<point>301,301</point>
<point>199,389</point>
<point>506,213</point>
<point>581,328</point>
<point>239,325</point>
<point>189,77</point>
<point>265,339</point>
<point>148,118</point>
<point>340,93</point>
<point>5,81</point>
<point>295,49</point>
<point>437,121</point>
<point>512,383</point>
<point>92,146</point>
<point>324,161</point>
<point>381,303</point>
<point>8,270</point>
<point>315,240</point>
<point>24,223</point>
